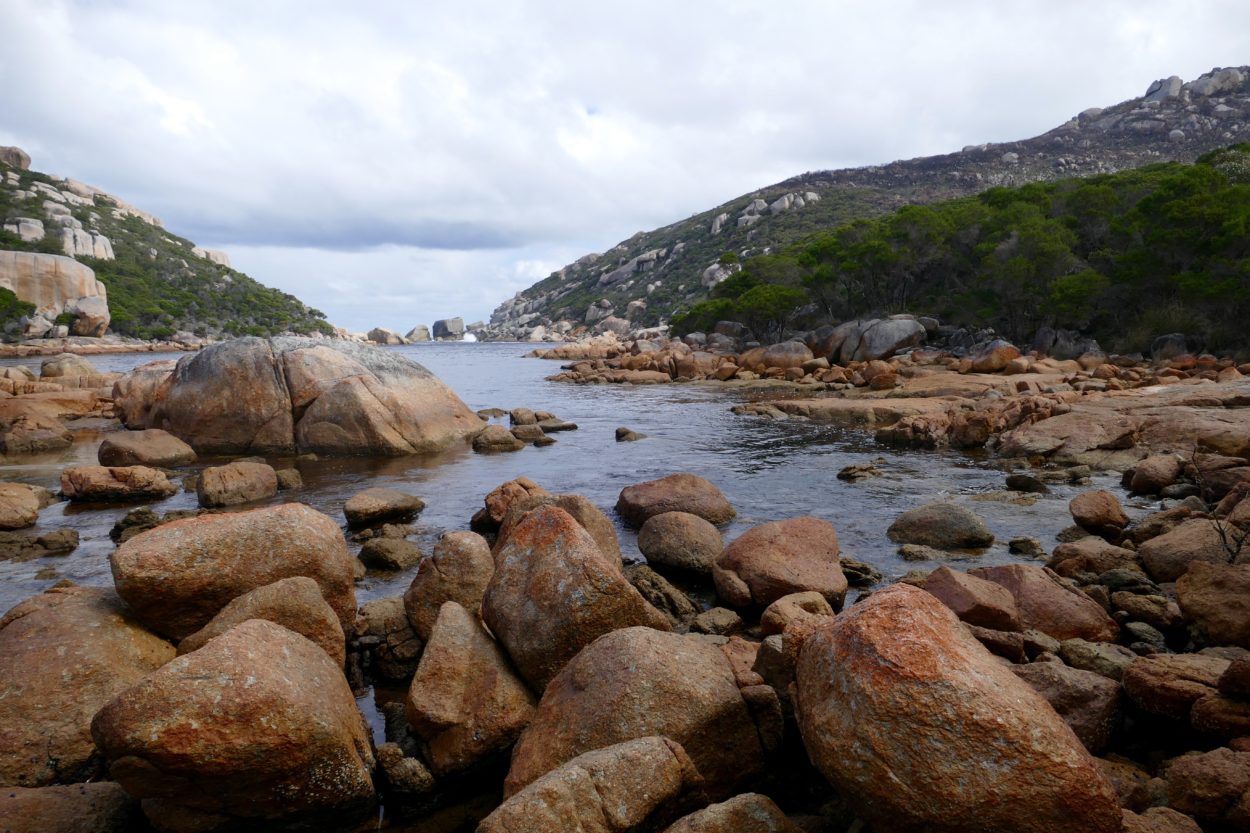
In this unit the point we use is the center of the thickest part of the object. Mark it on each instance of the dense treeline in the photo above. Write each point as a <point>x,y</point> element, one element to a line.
<point>1123,257</point>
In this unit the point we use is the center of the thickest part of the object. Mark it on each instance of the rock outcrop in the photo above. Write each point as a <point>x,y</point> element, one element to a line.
<point>56,284</point>
<point>253,395</point>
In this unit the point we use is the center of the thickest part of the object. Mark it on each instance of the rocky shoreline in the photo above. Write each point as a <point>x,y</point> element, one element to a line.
<point>547,684</point>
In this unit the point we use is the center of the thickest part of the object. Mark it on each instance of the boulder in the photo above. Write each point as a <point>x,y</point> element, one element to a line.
<point>616,789</point>
<point>494,438</point>
<point>944,526</point>
<point>681,541</point>
<point>1098,512</point>
<point>66,366</point>
<point>1090,555</point>
<point>897,702</point>
<point>1213,787</point>
<point>48,281</point>
<point>153,447</point>
<point>1168,556</point>
<point>294,603</point>
<point>638,682</point>
<point>136,393</point>
<point>793,608</point>
<point>1100,657</point>
<point>259,725</point>
<point>257,396</point>
<point>976,601</point>
<point>778,558</point>
<point>377,505</point>
<point>101,807</point>
<point>1169,684</point>
<point>674,493</point>
<point>380,335</point>
<point>1089,703</point>
<point>746,813</point>
<point>1047,605</point>
<point>786,355</point>
<point>1159,820</point>
<point>63,655</point>
<point>580,508</point>
<point>887,337</point>
<point>994,356</point>
<point>396,646</point>
<point>91,314</point>
<point>501,498</point>
<point>458,571</point>
<point>553,592</point>
<point>1156,473</point>
<point>387,553</point>
<point>451,329</point>
<point>236,483</point>
<point>177,576</point>
<point>103,484</point>
<point>28,426</point>
<point>15,157</point>
<point>1213,598</point>
<point>465,700</point>
<point>19,505</point>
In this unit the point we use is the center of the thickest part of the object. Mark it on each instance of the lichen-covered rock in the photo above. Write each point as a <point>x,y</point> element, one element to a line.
<point>63,655</point>
<point>591,518</point>
<point>465,700</point>
<point>680,492</point>
<point>898,704</point>
<point>259,724</point>
<point>177,576</point>
<point>778,558</point>
<point>614,789</point>
<point>1166,557</point>
<point>92,484</point>
<point>637,682</point>
<point>553,592</point>
<point>458,571</point>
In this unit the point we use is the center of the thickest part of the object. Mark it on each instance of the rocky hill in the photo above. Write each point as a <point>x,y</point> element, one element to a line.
<point>75,260</point>
<point>652,276</point>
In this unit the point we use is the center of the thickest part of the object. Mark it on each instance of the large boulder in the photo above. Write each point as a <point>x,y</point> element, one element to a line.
<point>91,315</point>
<point>1168,556</point>
<point>786,355</point>
<point>994,356</point>
<point>1048,605</point>
<point>553,592</point>
<point>680,541</point>
<point>778,558</point>
<point>294,603</point>
<point>944,526</point>
<point>253,395</point>
<point>680,492</point>
<point>63,655</point>
<point>65,366</point>
<point>153,447</point>
<point>1170,684</point>
<point>1213,787</point>
<point>458,571</point>
<point>177,576</point>
<point>258,725</point>
<point>233,483</point>
<point>1213,597</point>
<point>48,281</point>
<point>465,700</point>
<point>637,682</point>
<point>449,329</point>
<point>887,337</point>
<point>616,789</point>
<point>922,729</point>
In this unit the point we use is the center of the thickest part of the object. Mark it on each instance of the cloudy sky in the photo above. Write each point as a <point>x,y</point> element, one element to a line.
<point>396,162</point>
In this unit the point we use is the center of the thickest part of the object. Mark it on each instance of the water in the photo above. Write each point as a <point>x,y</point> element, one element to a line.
<point>767,469</point>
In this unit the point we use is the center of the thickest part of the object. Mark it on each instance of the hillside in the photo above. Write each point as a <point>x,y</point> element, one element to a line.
<point>158,284</point>
<point>652,276</point>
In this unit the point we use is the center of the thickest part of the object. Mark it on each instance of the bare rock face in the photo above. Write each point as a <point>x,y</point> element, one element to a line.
<point>458,571</point>
<point>675,493</point>
<point>553,592</point>
<point>48,281</point>
<point>236,483</point>
<point>145,448</point>
<point>15,157</point>
<point>778,558</point>
<point>63,655</point>
<point>259,724</point>
<point>294,603</point>
<point>615,789</point>
<point>104,484</point>
<point>465,700</point>
<point>178,576</point>
<point>100,807</point>
<point>637,682</point>
<point>922,729</point>
<point>1213,597</point>
<point>1045,604</point>
<point>277,395</point>
<point>746,813</point>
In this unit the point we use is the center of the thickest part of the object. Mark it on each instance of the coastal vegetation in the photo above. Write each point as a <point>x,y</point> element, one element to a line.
<point>1123,257</point>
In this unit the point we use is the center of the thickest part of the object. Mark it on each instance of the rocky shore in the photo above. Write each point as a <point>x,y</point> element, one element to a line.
<point>765,683</point>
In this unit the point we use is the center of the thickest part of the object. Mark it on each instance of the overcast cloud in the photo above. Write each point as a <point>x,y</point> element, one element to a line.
<point>396,162</point>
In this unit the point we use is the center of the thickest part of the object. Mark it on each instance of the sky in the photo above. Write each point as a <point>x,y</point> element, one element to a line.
<point>392,163</point>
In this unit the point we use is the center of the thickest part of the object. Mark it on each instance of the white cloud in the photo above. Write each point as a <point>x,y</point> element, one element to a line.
<point>425,150</point>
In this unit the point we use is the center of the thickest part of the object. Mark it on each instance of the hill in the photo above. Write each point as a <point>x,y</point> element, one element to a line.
<point>653,276</point>
<point>158,284</point>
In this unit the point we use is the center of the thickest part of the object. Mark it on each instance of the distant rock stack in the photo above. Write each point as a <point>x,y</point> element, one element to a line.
<point>15,157</point>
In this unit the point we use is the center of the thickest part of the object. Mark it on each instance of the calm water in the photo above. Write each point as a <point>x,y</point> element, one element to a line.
<point>767,469</point>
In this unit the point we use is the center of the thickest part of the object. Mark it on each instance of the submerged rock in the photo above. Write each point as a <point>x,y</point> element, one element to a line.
<point>923,730</point>
<point>944,526</point>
